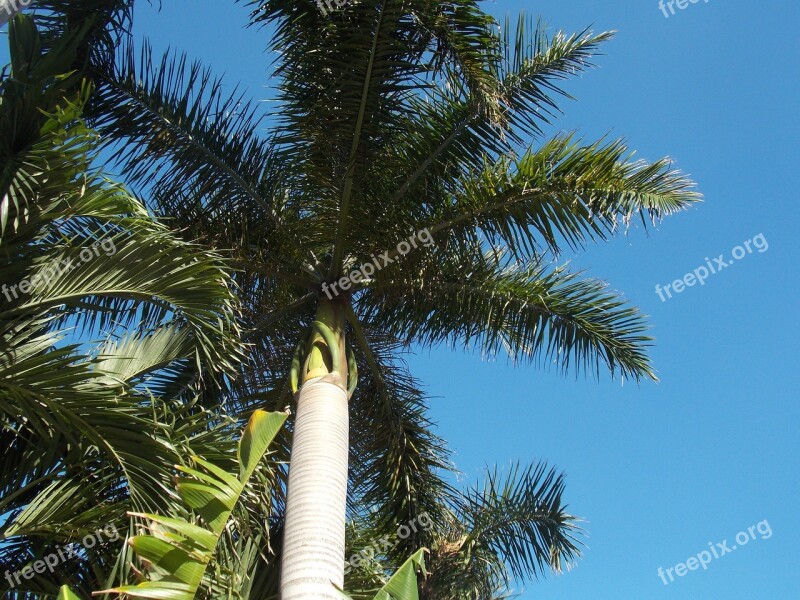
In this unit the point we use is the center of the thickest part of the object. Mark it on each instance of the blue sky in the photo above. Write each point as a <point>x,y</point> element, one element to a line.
<point>657,470</point>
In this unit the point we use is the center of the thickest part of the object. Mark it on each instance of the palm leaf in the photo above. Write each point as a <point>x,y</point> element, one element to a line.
<point>509,528</point>
<point>402,585</point>
<point>530,312</point>
<point>179,550</point>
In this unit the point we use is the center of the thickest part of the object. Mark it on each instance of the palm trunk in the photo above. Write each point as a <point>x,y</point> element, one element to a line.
<point>312,561</point>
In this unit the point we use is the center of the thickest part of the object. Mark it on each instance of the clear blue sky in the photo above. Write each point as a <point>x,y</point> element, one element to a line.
<point>658,470</point>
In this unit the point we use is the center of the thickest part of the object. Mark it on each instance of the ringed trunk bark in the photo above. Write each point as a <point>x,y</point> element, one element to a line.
<point>312,562</point>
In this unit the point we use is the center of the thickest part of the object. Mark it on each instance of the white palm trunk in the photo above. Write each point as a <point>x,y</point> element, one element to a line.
<point>312,560</point>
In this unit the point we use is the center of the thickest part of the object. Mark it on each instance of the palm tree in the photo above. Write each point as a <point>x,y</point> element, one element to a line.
<point>91,432</point>
<point>513,526</point>
<point>405,196</point>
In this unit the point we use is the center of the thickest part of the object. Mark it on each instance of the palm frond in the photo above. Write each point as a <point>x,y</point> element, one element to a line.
<point>563,192</point>
<point>445,134</point>
<point>399,469</point>
<point>529,311</point>
<point>178,550</point>
<point>512,527</point>
<point>194,149</point>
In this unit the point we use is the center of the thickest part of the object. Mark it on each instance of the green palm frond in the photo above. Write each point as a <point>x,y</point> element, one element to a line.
<point>53,199</point>
<point>367,63</point>
<point>179,550</point>
<point>107,20</point>
<point>148,267</point>
<point>86,438</point>
<point>522,518</point>
<point>447,135</point>
<point>202,157</point>
<point>529,312</point>
<point>398,472</point>
<point>534,65</point>
<point>561,192</point>
<point>511,527</point>
<point>451,132</point>
<point>152,361</point>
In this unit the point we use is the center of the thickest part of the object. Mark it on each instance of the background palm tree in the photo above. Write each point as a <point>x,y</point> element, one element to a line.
<point>90,431</point>
<point>395,118</point>
<point>511,528</point>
